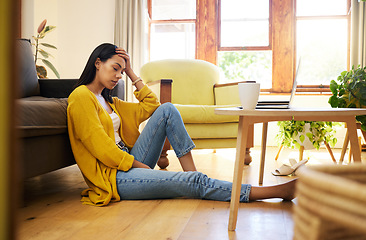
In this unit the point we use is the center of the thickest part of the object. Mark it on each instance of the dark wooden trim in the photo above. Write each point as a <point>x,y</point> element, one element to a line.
<point>207,30</point>
<point>283,52</point>
<point>165,89</point>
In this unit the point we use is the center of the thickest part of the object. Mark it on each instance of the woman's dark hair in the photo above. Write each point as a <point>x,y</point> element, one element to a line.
<point>104,52</point>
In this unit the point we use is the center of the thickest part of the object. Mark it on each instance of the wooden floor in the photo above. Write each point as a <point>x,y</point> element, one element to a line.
<point>53,209</point>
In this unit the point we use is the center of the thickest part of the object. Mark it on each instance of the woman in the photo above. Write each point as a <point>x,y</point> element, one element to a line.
<point>117,161</point>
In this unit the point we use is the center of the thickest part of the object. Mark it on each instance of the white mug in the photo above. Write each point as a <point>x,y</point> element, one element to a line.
<point>249,94</point>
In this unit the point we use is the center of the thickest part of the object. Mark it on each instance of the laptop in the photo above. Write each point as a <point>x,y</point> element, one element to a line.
<point>280,104</point>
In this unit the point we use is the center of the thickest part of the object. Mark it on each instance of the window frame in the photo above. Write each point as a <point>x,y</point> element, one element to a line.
<point>282,40</point>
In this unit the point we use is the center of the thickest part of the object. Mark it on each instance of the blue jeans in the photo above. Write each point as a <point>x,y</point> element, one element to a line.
<point>142,183</point>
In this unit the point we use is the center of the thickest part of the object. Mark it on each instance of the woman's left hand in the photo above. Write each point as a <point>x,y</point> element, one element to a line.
<point>128,70</point>
<point>123,53</point>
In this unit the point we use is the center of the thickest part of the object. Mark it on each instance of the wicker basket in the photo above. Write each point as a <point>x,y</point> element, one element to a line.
<point>331,202</point>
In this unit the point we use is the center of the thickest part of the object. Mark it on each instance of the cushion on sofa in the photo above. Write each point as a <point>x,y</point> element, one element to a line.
<point>28,74</point>
<point>205,114</point>
<point>212,130</point>
<point>39,115</point>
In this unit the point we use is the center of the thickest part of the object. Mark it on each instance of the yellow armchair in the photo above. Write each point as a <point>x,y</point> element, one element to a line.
<point>193,87</point>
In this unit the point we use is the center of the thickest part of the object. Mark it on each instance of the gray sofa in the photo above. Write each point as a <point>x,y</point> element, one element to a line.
<point>41,117</point>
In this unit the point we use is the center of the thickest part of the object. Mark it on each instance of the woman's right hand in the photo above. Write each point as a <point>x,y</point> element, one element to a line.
<point>137,164</point>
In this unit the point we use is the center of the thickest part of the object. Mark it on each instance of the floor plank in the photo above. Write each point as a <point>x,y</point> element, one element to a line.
<point>53,209</point>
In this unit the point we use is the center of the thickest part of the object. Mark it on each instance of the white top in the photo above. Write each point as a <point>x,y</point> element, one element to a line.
<point>116,124</point>
<point>102,101</point>
<point>115,119</point>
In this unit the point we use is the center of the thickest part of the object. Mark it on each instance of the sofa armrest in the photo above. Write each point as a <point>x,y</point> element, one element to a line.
<point>61,88</point>
<point>56,88</point>
<point>162,88</point>
<point>227,93</point>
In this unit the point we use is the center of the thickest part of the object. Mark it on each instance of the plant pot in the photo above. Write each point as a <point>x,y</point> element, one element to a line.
<point>307,144</point>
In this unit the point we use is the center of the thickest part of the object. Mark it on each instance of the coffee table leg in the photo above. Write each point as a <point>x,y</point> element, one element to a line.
<point>238,171</point>
<point>263,152</point>
<point>353,139</point>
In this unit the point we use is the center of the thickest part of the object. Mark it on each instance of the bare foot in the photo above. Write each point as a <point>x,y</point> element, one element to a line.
<point>288,190</point>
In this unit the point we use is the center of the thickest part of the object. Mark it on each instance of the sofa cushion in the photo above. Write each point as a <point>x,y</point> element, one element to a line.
<point>28,74</point>
<point>212,130</point>
<point>39,115</point>
<point>205,114</point>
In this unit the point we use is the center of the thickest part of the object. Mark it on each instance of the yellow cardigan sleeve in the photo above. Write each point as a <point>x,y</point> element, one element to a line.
<point>93,127</point>
<point>133,114</point>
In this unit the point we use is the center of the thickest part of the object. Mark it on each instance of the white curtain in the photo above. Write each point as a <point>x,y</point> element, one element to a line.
<point>358,34</point>
<point>130,33</point>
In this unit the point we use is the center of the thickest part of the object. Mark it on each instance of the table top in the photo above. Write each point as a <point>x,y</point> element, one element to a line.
<point>292,111</point>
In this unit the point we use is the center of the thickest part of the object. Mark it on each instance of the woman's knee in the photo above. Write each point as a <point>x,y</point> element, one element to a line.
<point>169,109</point>
<point>168,106</point>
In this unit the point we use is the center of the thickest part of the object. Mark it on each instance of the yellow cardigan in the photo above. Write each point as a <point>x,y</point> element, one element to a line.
<point>92,139</point>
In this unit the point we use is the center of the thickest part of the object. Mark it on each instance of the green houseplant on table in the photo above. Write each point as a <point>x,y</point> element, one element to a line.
<point>349,91</point>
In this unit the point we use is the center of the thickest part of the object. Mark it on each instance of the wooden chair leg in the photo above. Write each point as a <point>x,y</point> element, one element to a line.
<point>250,144</point>
<point>330,151</point>
<point>278,153</point>
<point>163,161</point>
<point>350,154</point>
<point>344,148</point>
<point>248,157</point>
<point>301,153</point>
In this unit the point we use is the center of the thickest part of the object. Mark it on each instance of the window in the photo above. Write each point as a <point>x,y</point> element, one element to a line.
<point>244,24</point>
<point>172,29</point>
<point>244,51</point>
<point>322,40</point>
<point>257,40</point>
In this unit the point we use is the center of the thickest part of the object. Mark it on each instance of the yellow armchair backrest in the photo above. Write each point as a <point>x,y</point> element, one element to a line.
<point>193,79</point>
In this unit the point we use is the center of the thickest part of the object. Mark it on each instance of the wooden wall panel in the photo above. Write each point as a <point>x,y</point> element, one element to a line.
<point>206,30</point>
<point>283,45</point>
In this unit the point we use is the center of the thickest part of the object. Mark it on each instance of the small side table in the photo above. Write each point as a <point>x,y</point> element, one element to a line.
<point>249,117</point>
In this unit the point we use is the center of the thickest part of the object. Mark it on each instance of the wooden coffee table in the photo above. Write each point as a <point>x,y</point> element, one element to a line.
<point>249,117</point>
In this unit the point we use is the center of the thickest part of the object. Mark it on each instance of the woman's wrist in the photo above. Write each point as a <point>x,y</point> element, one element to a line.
<point>136,81</point>
<point>131,74</point>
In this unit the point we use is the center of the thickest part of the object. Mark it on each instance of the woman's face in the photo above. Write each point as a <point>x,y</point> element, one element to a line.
<point>109,72</point>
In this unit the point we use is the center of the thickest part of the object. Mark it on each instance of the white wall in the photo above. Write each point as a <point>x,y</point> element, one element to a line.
<point>81,25</point>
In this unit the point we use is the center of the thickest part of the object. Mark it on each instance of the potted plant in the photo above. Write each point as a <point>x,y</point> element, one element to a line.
<point>308,134</point>
<point>349,91</point>
<point>41,33</point>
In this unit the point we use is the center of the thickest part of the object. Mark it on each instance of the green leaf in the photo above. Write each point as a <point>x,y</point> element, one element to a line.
<point>47,29</point>
<point>50,65</point>
<point>363,127</point>
<point>309,135</point>
<point>302,138</point>
<point>48,45</point>
<point>44,53</point>
<point>333,87</point>
<point>333,101</point>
